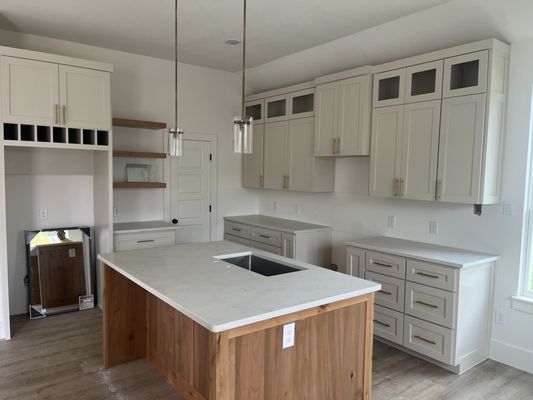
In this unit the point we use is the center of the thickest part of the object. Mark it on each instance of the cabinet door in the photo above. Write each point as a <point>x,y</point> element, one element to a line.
<point>389,88</point>
<point>355,262</point>
<point>276,153</point>
<point>302,103</point>
<point>256,110</point>
<point>466,74</point>
<point>460,149</point>
<point>252,164</point>
<point>327,98</point>
<point>424,82</point>
<point>354,117</point>
<point>420,147</point>
<point>277,108</point>
<point>30,91</point>
<point>287,245</point>
<point>385,152</point>
<point>301,161</point>
<point>85,98</point>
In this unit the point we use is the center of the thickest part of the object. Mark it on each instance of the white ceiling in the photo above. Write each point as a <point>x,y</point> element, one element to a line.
<point>276,27</point>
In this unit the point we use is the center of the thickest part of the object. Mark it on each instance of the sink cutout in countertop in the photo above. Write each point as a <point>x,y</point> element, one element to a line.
<point>259,265</point>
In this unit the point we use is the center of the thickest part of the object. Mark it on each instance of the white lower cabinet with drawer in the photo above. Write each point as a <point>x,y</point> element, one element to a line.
<point>144,239</point>
<point>435,301</point>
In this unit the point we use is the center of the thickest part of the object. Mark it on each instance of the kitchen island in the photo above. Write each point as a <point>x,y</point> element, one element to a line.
<point>220,331</point>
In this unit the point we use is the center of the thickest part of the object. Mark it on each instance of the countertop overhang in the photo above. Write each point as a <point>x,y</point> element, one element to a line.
<point>220,296</point>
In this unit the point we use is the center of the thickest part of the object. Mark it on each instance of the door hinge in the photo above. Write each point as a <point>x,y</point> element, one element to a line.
<point>210,156</point>
<point>209,208</point>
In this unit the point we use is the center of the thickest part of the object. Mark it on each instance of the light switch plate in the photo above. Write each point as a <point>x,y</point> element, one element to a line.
<point>72,253</point>
<point>288,335</point>
<point>43,214</point>
<point>433,228</point>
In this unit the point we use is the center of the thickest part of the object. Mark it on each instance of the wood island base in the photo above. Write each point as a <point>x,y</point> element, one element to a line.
<point>330,360</point>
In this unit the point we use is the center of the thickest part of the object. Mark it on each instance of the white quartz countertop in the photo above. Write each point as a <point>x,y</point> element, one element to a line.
<point>280,224</point>
<point>220,296</point>
<point>450,256</point>
<point>129,227</point>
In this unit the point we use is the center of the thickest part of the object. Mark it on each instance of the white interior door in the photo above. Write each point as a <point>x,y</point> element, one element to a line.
<point>84,97</point>
<point>190,196</point>
<point>30,91</point>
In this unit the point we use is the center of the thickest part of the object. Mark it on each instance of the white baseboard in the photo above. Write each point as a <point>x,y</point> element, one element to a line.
<point>2,330</point>
<point>514,356</point>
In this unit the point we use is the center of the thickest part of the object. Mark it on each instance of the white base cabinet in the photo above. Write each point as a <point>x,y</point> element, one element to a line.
<point>435,302</point>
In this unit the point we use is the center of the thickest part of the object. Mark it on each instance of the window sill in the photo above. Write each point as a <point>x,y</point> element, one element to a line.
<point>522,303</point>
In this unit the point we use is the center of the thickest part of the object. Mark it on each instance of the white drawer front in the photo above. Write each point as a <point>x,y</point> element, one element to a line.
<point>237,229</point>
<point>266,236</point>
<point>435,275</point>
<point>236,239</point>
<point>388,324</point>
<point>431,304</point>
<point>429,339</point>
<point>392,293</point>
<point>385,264</point>
<point>266,247</point>
<point>144,240</point>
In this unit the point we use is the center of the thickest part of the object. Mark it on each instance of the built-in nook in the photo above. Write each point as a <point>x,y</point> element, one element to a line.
<point>102,138</point>
<point>88,136</point>
<point>423,82</point>
<point>389,88</point>
<point>11,132</point>
<point>59,135</point>
<point>74,136</point>
<point>43,134</point>
<point>302,104</point>
<point>277,108</point>
<point>27,133</point>
<point>254,111</point>
<point>464,75</point>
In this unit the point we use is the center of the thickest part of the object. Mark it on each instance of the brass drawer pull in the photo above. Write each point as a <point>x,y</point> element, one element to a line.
<point>146,241</point>
<point>385,292</point>
<point>236,229</point>
<point>377,321</point>
<point>264,236</point>
<point>424,339</point>
<point>381,264</point>
<point>426,304</point>
<point>427,275</point>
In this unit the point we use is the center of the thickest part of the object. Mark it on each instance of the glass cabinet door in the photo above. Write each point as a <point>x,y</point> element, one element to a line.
<point>255,109</point>
<point>389,88</point>
<point>303,103</point>
<point>424,82</point>
<point>277,108</point>
<point>466,74</point>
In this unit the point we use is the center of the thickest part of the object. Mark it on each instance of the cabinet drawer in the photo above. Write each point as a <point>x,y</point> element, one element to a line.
<point>430,304</point>
<point>236,239</point>
<point>435,275</point>
<point>392,293</point>
<point>266,247</point>
<point>429,339</point>
<point>388,324</point>
<point>144,240</point>
<point>385,264</point>
<point>237,229</point>
<point>266,236</point>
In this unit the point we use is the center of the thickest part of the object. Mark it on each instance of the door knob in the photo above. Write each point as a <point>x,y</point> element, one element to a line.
<point>174,221</point>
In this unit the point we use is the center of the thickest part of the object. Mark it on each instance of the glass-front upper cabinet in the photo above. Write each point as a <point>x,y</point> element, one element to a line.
<point>389,88</point>
<point>277,108</point>
<point>303,103</point>
<point>424,82</point>
<point>466,74</point>
<point>256,110</point>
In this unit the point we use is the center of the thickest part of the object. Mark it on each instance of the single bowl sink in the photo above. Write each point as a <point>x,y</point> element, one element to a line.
<point>259,265</point>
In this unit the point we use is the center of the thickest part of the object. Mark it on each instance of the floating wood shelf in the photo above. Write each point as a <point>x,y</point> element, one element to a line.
<point>138,154</point>
<point>139,185</point>
<point>135,123</point>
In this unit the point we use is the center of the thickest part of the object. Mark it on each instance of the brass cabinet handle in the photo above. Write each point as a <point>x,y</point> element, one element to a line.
<point>146,241</point>
<point>236,229</point>
<point>381,264</point>
<point>264,236</point>
<point>338,145</point>
<point>377,321</point>
<point>64,115</point>
<point>385,292</point>
<point>333,143</point>
<point>395,188</point>
<point>402,187</point>
<point>424,339</point>
<point>426,304</point>
<point>438,193</point>
<point>56,114</point>
<point>427,275</point>
<point>261,181</point>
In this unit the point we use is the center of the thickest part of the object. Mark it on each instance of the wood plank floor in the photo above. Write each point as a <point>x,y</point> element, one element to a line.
<point>59,358</point>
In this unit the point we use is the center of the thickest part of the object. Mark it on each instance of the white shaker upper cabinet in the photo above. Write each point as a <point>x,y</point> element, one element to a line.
<point>327,99</point>
<point>466,74</point>
<point>420,147</point>
<point>276,154</point>
<point>30,91</point>
<point>424,82</point>
<point>252,164</point>
<point>85,99</point>
<point>389,88</point>
<point>460,149</point>
<point>385,152</point>
<point>301,161</point>
<point>256,110</point>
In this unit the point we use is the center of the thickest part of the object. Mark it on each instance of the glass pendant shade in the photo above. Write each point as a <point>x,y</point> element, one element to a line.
<point>243,135</point>
<point>175,142</point>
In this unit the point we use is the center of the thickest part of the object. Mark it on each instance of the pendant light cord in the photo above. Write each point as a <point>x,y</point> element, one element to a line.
<point>176,65</point>
<point>243,58</point>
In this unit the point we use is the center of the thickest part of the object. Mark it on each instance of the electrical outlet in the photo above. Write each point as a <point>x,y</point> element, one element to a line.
<point>507,208</point>
<point>288,335</point>
<point>391,221</point>
<point>499,317</point>
<point>72,253</point>
<point>298,209</point>
<point>433,228</point>
<point>43,214</point>
<point>115,211</point>
<point>275,206</point>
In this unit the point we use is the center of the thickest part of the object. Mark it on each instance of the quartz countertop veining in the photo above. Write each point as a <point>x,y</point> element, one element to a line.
<point>220,296</point>
<point>280,224</point>
<point>449,256</point>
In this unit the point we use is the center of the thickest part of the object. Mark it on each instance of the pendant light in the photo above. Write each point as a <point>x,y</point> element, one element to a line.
<point>175,134</point>
<point>243,125</point>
